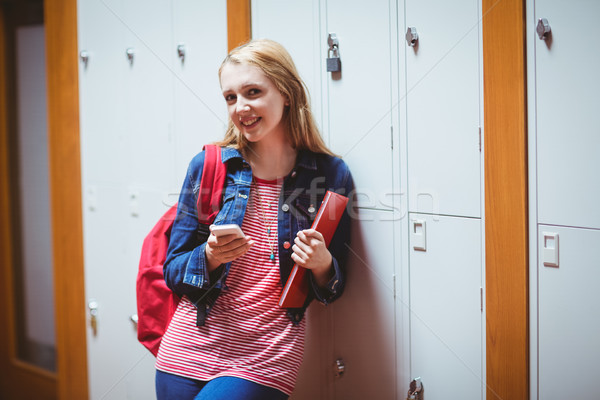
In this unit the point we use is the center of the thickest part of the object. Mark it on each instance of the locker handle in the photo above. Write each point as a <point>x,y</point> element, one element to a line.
<point>543,29</point>
<point>412,36</point>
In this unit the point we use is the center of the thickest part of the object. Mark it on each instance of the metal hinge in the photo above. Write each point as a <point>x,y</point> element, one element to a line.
<point>481,298</point>
<point>480,139</point>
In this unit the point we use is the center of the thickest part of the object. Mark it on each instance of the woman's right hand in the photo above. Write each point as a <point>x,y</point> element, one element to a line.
<point>224,249</point>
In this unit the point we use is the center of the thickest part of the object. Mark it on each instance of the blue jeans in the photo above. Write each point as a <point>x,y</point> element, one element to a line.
<point>174,387</point>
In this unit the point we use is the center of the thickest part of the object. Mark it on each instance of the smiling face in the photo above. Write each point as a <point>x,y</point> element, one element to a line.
<point>254,103</point>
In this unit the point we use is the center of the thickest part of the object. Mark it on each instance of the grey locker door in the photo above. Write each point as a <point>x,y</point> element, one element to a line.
<point>568,121</point>
<point>442,100</point>
<point>200,111</point>
<point>359,101</point>
<point>363,329</point>
<point>114,356</point>
<point>354,113</point>
<point>446,324</point>
<point>568,310</point>
<point>359,108</point>
<point>148,91</point>
<point>297,26</point>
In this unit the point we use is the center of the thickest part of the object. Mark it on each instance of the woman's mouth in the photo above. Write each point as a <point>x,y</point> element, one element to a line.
<point>249,122</point>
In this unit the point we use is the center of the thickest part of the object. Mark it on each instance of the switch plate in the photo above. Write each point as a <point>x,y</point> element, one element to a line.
<point>550,249</point>
<point>418,235</point>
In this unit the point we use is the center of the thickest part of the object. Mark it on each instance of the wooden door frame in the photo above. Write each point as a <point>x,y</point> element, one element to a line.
<point>19,378</point>
<point>60,17</point>
<point>506,199</point>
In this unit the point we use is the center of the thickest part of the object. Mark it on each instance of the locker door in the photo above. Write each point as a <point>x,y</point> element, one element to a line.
<point>363,329</point>
<point>359,329</point>
<point>102,105</point>
<point>297,27</point>
<point>200,110</point>
<point>569,305</point>
<point>442,96</point>
<point>111,348</point>
<point>127,161</point>
<point>445,307</point>
<point>359,109</point>
<point>148,91</point>
<point>568,122</point>
<point>360,96</point>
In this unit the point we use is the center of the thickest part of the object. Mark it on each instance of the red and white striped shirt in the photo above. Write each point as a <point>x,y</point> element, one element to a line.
<point>246,334</point>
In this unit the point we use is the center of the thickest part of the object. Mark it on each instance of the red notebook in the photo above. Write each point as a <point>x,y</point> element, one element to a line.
<point>328,217</point>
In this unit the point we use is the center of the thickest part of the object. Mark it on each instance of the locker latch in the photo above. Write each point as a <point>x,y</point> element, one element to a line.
<point>339,367</point>
<point>415,390</point>
<point>334,64</point>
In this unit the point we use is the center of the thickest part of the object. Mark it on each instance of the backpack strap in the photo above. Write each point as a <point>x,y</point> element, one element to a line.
<point>214,173</point>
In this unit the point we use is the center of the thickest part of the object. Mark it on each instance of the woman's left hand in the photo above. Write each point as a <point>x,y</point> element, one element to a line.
<point>310,252</point>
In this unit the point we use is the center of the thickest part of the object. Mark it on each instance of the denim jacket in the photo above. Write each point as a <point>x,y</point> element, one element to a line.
<point>303,189</point>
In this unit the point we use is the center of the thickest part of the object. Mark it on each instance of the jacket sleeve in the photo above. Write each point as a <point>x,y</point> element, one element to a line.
<point>340,243</point>
<point>185,269</point>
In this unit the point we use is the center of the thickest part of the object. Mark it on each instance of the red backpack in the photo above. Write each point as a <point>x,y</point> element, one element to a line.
<point>156,303</point>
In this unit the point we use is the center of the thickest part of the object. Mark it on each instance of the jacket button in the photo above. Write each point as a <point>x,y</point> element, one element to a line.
<point>286,245</point>
<point>285,208</point>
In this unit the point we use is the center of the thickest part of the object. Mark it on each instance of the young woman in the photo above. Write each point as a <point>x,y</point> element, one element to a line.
<point>228,338</point>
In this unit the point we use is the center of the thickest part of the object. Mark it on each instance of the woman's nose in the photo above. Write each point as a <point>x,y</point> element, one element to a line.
<point>242,106</point>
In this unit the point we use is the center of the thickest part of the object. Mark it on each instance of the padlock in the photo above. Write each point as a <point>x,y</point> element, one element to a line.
<point>415,391</point>
<point>334,64</point>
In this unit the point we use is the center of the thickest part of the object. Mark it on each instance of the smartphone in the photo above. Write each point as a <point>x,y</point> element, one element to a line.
<point>228,229</point>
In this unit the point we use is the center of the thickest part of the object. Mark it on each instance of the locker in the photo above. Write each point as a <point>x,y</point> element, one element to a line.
<point>296,25</point>
<point>111,350</point>
<point>358,331</point>
<point>442,106</point>
<point>445,308</point>
<point>101,82</point>
<point>148,91</point>
<point>568,122</point>
<point>113,353</point>
<point>363,331</point>
<point>134,157</point>
<point>569,305</point>
<point>200,114</point>
<point>359,101</point>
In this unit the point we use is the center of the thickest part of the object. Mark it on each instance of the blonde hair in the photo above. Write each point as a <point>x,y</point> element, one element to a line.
<point>277,64</point>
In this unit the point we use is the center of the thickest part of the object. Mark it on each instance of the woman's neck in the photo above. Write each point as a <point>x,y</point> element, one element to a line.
<point>271,160</point>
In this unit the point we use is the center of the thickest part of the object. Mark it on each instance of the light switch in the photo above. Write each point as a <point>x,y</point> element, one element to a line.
<point>418,235</point>
<point>550,249</point>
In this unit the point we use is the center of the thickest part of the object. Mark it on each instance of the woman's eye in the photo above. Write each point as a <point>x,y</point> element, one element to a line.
<point>229,98</point>
<point>253,92</point>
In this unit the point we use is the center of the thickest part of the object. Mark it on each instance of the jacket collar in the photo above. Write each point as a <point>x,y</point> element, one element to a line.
<point>306,159</point>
